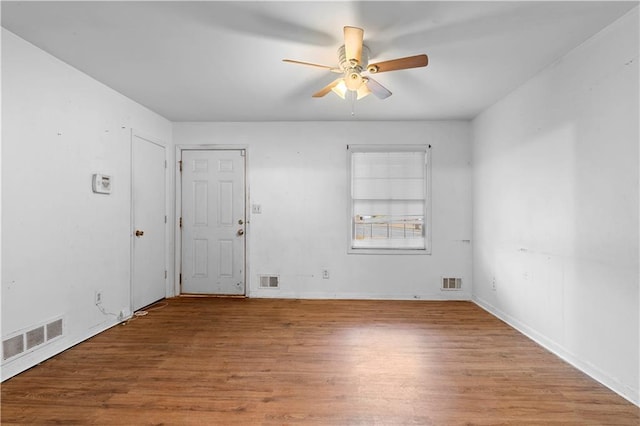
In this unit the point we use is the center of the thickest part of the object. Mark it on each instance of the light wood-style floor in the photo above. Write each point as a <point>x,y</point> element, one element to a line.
<point>211,361</point>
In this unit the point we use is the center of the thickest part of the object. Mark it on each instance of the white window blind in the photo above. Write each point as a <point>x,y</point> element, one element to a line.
<point>388,197</point>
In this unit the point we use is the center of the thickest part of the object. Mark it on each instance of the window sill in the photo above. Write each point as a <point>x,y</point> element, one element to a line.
<point>388,251</point>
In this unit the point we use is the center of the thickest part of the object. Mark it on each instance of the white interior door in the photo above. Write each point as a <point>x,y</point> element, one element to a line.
<point>148,198</point>
<point>213,222</point>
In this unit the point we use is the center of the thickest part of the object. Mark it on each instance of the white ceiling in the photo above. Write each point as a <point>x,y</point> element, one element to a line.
<point>221,61</point>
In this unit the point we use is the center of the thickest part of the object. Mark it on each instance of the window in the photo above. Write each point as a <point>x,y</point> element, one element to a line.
<point>388,200</point>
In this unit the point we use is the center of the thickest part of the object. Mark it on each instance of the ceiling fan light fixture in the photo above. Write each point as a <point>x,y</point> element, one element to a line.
<point>353,60</point>
<point>363,91</point>
<point>340,89</point>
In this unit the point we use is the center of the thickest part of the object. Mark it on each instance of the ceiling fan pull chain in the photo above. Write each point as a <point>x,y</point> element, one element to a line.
<point>352,100</point>
<point>353,60</point>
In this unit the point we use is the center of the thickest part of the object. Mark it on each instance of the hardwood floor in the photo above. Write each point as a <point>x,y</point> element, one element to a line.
<point>260,361</point>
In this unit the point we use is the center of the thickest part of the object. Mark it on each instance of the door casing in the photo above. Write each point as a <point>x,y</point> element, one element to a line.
<point>178,210</point>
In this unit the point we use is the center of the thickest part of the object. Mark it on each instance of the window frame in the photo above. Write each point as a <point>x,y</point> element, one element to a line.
<point>426,149</point>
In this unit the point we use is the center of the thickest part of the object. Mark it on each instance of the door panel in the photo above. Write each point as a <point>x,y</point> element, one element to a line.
<point>213,217</point>
<point>148,198</point>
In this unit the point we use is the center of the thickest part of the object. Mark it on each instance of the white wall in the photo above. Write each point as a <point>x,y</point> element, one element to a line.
<point>297,172</point>
<point>61,242</point>
<point>555,186</point>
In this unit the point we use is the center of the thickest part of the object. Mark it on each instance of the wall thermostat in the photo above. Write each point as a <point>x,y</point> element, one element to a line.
<point>101,183</point>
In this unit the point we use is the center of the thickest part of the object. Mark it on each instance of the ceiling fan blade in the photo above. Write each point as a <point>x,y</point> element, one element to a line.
<point>399,64</point>
<point>326,89</point>
<point>332,69</point>
<point>377,89</point>
<point>353,38</point>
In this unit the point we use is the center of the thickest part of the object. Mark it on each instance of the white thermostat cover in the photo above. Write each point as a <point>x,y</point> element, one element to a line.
<point>101,184</point>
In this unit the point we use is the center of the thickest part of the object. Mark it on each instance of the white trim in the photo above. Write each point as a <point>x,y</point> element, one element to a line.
<point>24,330</point>
<point>267,293</point>
<point>421,147</point>
<point>148,138</point>
<point>16,366</point>
<point>178,208</point>
<point>426,148</point>
<point>632,395</point>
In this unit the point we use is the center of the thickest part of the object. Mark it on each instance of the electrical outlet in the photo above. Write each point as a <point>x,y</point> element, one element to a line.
<point>97,298</point>
<point>493,284</point>
<point>325,274</point>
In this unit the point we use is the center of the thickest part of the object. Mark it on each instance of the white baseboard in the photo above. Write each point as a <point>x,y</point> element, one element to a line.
<point>32,359</point>
<point>630,394</point>
<point>442,296</point>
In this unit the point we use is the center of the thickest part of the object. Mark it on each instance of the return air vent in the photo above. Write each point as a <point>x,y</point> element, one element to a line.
<point>269,281</point>
<point>12,346</point>
<point>31,339</point>
<point>451,283</point>
<point>54,329</point>
<point>35,337</point>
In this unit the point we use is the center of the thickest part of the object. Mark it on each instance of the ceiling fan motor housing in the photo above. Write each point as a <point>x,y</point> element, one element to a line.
<point>353,60</point>
<point>352,69</point>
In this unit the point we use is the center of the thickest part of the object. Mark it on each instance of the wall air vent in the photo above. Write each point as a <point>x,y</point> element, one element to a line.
<point>54,329</point>
<point>35,337</point>
<point>269,281</point>
<point>451,283</point>
<point>31,339</point>
<point>12,346</point>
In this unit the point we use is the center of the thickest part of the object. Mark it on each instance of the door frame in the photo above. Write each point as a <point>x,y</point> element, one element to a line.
<point>167,233</point>
<point>177,290</point>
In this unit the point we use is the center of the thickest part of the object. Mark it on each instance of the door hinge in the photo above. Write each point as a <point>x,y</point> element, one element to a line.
<point>165,164</point>
<point>180,164</point>
<point>165,218</point>
<point>242,152</point>
<point>180,222</point>
<point>165,274</point>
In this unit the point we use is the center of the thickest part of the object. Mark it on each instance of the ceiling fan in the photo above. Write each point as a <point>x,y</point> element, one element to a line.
<point>353,57</point>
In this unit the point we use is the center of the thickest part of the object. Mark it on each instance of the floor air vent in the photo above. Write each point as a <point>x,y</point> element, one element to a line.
<point>269,281</point>
<point>451,283</point>
<point>31,339</point>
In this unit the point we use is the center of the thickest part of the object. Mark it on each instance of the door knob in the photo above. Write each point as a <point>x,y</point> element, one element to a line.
<point>240,231</point>
<point>139,233</point>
